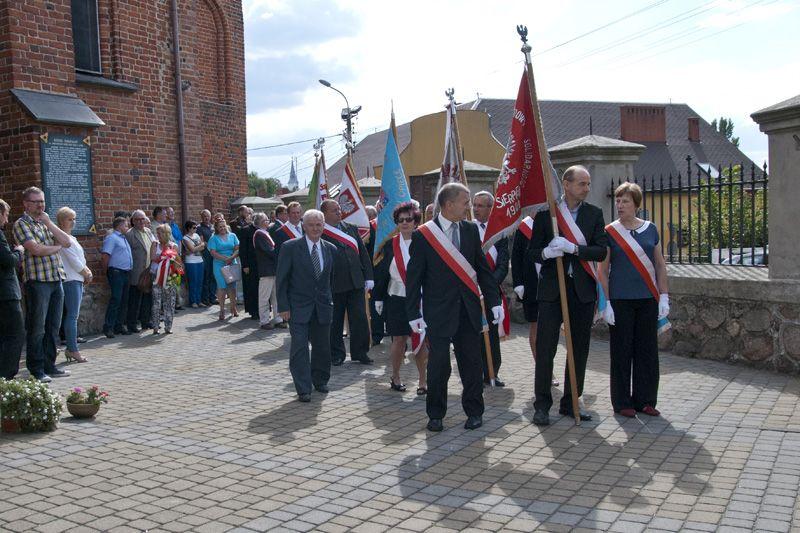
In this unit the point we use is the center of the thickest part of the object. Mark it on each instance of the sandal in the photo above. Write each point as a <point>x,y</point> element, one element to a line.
<point>399,387</point>
<point>422,391</point>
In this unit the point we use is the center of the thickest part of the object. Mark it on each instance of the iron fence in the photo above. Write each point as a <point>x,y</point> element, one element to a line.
<point>709,214</point>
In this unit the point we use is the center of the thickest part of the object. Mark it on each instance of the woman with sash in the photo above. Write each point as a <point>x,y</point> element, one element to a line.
<point>634,275</point>
<point>390,296</point>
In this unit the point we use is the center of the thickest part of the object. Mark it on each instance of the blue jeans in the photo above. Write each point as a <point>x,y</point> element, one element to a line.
<point>118,280</point>
<point>44,302</point>
<point>73,294</point>
<point>209,293</point>
<point>194,277</point>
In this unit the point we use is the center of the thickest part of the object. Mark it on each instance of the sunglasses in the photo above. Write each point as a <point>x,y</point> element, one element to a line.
<point>401,220</point>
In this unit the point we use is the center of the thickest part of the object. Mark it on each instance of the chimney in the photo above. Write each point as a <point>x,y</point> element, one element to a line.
<point>694,129</point>
<point>639,123</point>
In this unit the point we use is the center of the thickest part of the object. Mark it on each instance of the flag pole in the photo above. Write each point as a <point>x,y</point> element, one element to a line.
<point>463,177</point>
<point>551,202</point>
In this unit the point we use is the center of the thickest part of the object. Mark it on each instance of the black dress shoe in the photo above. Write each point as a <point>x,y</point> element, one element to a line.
<point>541,418</point>
<point>435,425</point>
<point>109,334</point>
<point>322,388</point>
<point>473,422</point>
<point>134,329</point>
<point>337,362</point>
<point>364,360</point>
<point>497,382</point>
<point>568,412</point>
<point>305,398</point>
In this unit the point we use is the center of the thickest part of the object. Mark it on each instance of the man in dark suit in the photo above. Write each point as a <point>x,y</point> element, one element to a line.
<point>12,328</point>
<point>498,263</point>
<point>352,276</point>
<point>291,229</point>
<point>376,319</point>
<point>450,305</point>
<point>281,216</point>
<point>244,230</point>
<point>581,290</point>
<point>304,277</point>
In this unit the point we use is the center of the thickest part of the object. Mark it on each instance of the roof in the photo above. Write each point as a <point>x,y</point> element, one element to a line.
<point>469,166</point>
<point>565,121</point>
<point>255,200</point>
<point>786,110</point>
<point>780,106</point>
<point>52,108</point>
<point>595,141</point>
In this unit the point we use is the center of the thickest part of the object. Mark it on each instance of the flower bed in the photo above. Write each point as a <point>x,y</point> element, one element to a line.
<point>29,405</point>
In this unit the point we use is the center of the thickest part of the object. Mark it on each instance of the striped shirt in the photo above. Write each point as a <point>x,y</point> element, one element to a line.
<point>38,268</point>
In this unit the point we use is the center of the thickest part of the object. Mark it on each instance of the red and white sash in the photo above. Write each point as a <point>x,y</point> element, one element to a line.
<point>162,271</point>
<point>636,254</point>
<point>452,257</point>
<point>341,237</point>
<point>526,227</point>
<point>266,234</point>
<point>570,231</point>
<point>289,230</point>
<point>400,262</point>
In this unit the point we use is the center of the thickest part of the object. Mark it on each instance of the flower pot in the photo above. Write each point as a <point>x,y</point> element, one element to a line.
<point>10,426</point>
<point>82,410</point>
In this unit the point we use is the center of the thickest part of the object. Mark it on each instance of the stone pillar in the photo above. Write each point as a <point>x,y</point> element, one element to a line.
<point>607,159</point>
<point>781,123</point>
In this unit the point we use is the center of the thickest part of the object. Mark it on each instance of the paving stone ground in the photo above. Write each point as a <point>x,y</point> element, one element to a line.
<point>204,434</point>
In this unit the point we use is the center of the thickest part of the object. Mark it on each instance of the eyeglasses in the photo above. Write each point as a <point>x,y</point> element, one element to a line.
<point>35,201</point>
<point>401,220</point>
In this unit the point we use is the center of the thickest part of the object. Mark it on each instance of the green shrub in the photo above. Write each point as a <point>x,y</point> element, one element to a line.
<point>31,403</point>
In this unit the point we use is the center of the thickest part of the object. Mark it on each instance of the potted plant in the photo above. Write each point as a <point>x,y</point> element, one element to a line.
<point>85,404</point>
<point>28,405</point>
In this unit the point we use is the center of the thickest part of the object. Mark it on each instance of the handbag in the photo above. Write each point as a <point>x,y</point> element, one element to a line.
<point>232,273</point>
<point>145,282</point>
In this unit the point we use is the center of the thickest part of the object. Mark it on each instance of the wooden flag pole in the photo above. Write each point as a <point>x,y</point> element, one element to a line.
<point>551,202</point>
<point>463,176</point>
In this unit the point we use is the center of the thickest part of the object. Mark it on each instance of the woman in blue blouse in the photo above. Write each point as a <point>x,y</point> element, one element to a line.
<point>224,248</point>
<point>634,276</point>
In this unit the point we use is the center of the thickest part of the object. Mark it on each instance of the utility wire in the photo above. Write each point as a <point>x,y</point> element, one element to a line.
<point>292,142</point>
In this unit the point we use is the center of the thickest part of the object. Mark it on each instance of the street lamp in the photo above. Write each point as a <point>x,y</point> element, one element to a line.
<point>347,113</point>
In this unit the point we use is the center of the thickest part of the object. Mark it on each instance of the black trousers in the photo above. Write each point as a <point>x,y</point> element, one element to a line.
<point>634,352</point>
<point>466,343</point>
<point>139,308</point>
<point>548,329</point>
<point>494,342</point>
<point>250,291</point>
<point>377,323</point>
<point>353,302</point>
<point>309,368</point>
<point>12,337</point>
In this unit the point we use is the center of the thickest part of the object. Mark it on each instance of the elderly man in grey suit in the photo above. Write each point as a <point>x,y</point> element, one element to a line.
<point>140,239</point>
<point>304,277</point>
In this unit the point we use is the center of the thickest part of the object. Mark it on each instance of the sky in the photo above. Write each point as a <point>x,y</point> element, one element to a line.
<point>721,57</point>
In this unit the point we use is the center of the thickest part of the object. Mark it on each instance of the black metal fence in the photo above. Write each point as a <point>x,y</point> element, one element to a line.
<point>709,214</point>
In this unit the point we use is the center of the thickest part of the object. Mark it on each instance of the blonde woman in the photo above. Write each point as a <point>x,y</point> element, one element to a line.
<point>164,264</point>
<point>77,273</point>
<point>224,248</point>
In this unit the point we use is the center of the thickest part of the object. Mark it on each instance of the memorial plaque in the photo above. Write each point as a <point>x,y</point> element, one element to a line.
<point>67,178</point>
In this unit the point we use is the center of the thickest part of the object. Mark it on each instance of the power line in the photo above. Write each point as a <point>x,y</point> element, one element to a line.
<point>292,142</point>
<point>604,26</point>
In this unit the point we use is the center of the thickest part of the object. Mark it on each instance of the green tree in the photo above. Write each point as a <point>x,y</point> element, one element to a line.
<point>725,127</point>
<point>710,208</point>
<point>265,187</point>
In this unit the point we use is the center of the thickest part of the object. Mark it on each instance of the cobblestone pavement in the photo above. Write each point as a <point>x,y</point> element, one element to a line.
<point>204,433</point>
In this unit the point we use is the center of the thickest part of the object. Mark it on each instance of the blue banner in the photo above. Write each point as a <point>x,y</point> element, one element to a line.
<point>394,191</point>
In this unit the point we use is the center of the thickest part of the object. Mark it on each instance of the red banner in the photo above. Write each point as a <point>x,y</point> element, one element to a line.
<point>520,186</point>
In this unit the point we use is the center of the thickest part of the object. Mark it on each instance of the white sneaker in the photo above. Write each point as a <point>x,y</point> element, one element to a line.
<point>45,379</point>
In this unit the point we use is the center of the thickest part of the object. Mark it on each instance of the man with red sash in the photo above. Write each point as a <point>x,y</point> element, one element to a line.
<point>352,277</point>
<point>449,273</point>
<point>583,240</point>
<point>497,258</point>
<point>291,229</point>
<point>376,320</point>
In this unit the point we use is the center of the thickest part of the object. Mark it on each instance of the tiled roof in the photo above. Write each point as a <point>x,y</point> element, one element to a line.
<point>565,121</point>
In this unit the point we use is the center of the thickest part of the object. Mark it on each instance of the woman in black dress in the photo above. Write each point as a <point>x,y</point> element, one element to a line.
<point>390,295</point>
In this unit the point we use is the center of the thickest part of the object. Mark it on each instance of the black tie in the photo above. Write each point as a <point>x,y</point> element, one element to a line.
<point>315,261</point>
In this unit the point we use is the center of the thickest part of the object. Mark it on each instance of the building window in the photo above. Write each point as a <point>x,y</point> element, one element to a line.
<point>86,36</point>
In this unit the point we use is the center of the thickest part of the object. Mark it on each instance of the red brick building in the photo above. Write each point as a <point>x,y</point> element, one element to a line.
<point>110,76</point>
<point>104,71</point>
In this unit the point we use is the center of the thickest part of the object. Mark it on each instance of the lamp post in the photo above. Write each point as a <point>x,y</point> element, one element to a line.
<point>347,114</point>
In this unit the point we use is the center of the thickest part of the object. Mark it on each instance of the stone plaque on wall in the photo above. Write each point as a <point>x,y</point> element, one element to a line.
<point>67,178</point>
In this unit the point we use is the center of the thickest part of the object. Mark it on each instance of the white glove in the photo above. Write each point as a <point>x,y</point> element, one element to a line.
<point>663,305</point>
<point>550,253</point>
<point>379,307</point>
<point>608,314</point>
<point>498,313</point>
<point>563,244</point>
<point>368,285</point>
<point>520,290</point>
<point>418,325</point>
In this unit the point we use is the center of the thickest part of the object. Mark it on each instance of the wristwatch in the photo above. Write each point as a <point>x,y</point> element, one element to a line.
<point>576,249</point>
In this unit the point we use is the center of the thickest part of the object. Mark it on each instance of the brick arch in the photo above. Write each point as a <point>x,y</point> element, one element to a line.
<point>220,77</point>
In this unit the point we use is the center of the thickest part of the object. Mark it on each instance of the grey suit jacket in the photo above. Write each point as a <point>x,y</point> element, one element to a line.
<point>299,292</point>
<point>141,255</point>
